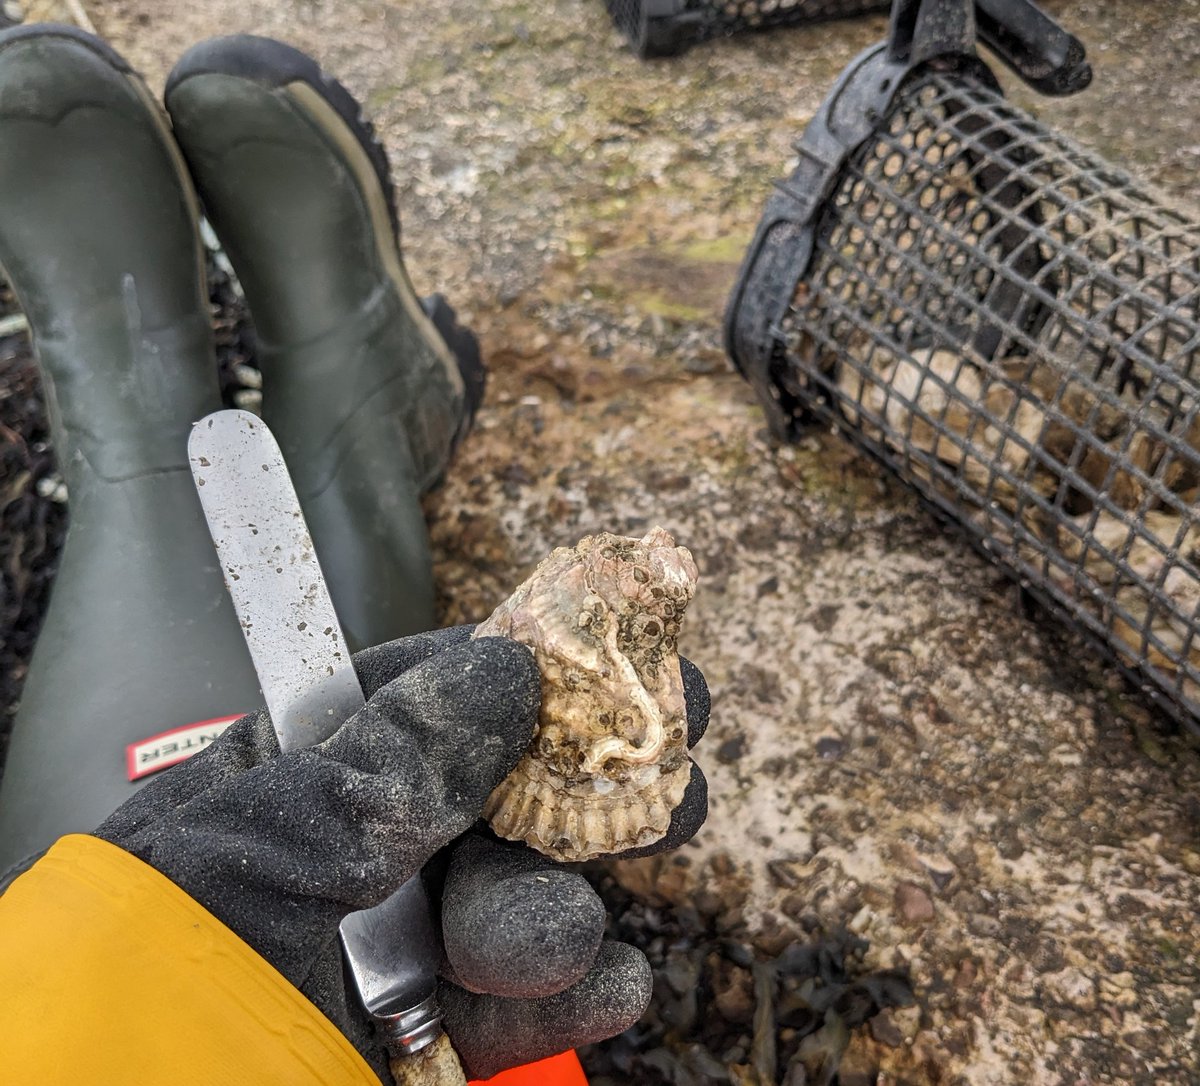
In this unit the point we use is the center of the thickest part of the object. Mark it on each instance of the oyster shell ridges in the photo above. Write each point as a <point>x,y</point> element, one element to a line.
<point>608,762</point>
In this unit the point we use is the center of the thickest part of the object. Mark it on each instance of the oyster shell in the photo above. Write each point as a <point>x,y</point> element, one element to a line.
<point>608,762</point>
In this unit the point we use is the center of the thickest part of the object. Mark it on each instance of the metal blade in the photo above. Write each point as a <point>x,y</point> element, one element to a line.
<point>394,956</point>
<point>308,679</point>
<point>272,573</point>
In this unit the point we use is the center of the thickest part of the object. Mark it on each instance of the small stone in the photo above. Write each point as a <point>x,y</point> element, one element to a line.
<point>913,905</point>
<point>722,865</point>
<point>1072,987</point>
<point>861,920</point>
<point>984,926</point>
<point>965,974</point>
<point>248,376</point>
<point>733,994</point>
<point>1119,990</point>
<point>941,870</point>
<point>907,1020</point>
<point>731,750</point>
<point>784,873</point>
<point>681,972</point>
<point>796,906</point>
<point>829,746</point>
<point>769,587</point>
<point>885,1031</point>
<point>52,488</point>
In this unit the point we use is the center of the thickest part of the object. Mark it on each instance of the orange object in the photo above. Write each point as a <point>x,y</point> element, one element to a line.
<point>560,1070</point>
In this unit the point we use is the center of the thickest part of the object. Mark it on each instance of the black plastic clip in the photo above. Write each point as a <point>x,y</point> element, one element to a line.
<point>1034,46</point>
<point>1022,36</point>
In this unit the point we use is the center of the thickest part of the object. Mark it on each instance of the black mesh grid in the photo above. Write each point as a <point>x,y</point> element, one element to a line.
<point>1014,326</point>
<point>690,21</point>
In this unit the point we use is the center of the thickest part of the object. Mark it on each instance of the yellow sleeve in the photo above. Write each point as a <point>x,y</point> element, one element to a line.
<point>111,975</point>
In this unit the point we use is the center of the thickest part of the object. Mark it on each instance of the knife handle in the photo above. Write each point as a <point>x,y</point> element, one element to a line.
<point>435,1065</point>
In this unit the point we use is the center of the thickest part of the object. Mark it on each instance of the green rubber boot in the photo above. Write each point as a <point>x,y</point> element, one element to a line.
<point>98,235</point>
<point>366,389</point>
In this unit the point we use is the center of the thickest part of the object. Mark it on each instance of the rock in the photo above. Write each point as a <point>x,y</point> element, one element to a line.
<point>913,905</point>
<point>964,975</point>
<point>907,1020</point>
<point>733,993</point>
<point>857,1066</point>
<point>941,870</point>
<point>731,750</point>
<point>884,1030</point>
<point>1072,987</point>
<point>797,906</point>
<point>784,873</point>
<point>682,975</point>
<point>829,746</point>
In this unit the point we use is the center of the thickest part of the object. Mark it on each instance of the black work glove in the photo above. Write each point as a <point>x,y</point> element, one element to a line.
<point>280,847</point>
<point>528,972</point>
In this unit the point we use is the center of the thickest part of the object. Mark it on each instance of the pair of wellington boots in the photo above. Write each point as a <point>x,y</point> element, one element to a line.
<point>367,388</point>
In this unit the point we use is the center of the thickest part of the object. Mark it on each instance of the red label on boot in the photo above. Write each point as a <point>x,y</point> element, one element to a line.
<point>169,748</point>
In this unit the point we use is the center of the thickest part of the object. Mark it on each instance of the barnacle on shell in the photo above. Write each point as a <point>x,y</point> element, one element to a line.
<point>608,762</point>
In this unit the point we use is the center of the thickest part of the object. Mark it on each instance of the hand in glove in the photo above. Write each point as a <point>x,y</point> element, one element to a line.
<point>280,847</point>
<point>528,971</point>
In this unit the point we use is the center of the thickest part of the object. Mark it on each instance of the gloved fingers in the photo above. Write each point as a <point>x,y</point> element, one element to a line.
<point>417,764</point>
<point>251,741</point>
<point>515,924</point>
<point>337,827</point>
<point>686,819</point>
<point>491,1034</point>
<point>381,664</point>
<point>247,742</point>
<point>697,699</point>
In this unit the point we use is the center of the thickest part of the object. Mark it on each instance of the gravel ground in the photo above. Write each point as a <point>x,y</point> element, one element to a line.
<point>898,747</point>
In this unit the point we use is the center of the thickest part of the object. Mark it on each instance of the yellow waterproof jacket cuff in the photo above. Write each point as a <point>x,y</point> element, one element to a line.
<point>110,974</point>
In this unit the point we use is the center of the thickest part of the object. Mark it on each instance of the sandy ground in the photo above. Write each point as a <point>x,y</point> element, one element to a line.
<point>895,744</point>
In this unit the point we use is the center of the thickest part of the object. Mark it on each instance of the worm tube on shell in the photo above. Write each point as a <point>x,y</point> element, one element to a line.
<point>608,762</point>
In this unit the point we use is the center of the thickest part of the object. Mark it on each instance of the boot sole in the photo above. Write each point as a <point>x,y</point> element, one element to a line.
<point>274,64</point>
<point>271,63</point>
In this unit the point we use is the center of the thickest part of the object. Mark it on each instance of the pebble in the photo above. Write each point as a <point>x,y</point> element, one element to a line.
<point>861,920</point>
<point>965,974</point>
<point>52,488</point>
<point>907,1020</point>
<point>885,1031</point>
<point>1072,987</point>
<point>784,873</point>
<point>734,1000</point>
<point>941,870</point>
<point>829,746</point>
<point>913,905</point>
<point>1119,990</point>
<point>731,750</point>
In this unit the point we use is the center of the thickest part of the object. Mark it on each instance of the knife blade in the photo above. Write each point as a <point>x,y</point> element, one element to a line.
<point>273,575</point>
<point>303,664</point>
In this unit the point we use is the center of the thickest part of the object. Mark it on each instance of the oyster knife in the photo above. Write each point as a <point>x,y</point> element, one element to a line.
<point>304,668</point>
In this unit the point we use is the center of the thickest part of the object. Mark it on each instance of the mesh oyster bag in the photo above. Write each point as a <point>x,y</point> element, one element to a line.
<point>1008,322</point>
<point>658,28</point>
